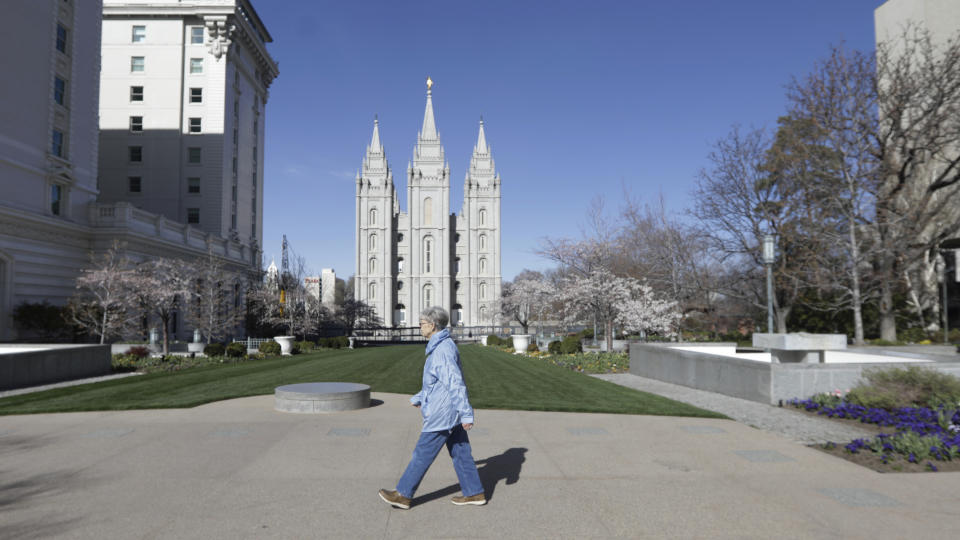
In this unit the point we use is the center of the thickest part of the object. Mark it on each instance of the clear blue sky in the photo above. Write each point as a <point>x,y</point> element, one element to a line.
<point>579,99</point>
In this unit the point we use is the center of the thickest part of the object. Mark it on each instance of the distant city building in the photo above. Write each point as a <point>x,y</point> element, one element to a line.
<point>328,284</point>
<point>427,256</point>
<point>184,87</point>
<point>312,285</point>
<point>53,213</point>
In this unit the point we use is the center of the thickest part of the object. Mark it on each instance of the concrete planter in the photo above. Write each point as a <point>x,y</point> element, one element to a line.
<point>521,342</point>
<point>286,344</point>
<point>196,347</point>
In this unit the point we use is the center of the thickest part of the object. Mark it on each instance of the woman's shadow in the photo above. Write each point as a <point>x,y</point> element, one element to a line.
<point>505,466</point>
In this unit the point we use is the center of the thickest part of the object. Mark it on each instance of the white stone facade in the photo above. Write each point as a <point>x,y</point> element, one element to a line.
<point>184,86</point>
<point>53,214</point>
<point>427,256</point>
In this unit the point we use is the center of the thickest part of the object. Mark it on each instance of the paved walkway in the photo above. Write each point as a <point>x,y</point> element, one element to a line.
<point>239,469</point>
<point>785,421</point>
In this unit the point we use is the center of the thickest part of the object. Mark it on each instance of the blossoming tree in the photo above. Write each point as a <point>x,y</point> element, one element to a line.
<point>528,295</point>
<point>103,291</point>
<point>616,300</point>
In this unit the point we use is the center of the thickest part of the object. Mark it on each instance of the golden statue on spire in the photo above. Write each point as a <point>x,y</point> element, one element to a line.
<point>429,82</point>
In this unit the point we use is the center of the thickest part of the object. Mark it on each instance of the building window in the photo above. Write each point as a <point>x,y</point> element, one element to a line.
<point>194,155</point>
<point>193,215</point>
<point>136,124</point>
<point>135,153</point>
<point>56,199</point>
<point>236,107</point>
<point>61,38</point>
<point>59,90</point>
<point>428,212</point>
<point>233,221</point>
<point>427,295</point>
<point>372,244</point>
<point>233,193</point>
<point>483,291</point>
<point>456,285</point>
<point>196,95</point>
<point>372,290</point>
<point>483,314</point>
<point>483,265</point>
<point>195,125</point>
<point>483,241</point>
<point>136,93</point>
<point>193,185</point>
<point>134,184</point>
<point>401,313</point>
<point>56,144</point>
<point>399,285</point>
<point>373,265</point>
<point>427,254</point>
<point>196,65</point>
<point>456,264</point>
<point>136,64</point>
<point>399,265</point>
<point>458,313</point>
<point>456,238</point>
<point>234,164</point>
<point>196,35</point>
<point>235,137</point>
<point>399,237</point>
<point>139,34</point>
<point>373,216</point>
<point>483,216</point>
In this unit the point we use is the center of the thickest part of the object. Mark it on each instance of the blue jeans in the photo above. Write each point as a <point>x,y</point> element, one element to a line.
<point>428,446</point>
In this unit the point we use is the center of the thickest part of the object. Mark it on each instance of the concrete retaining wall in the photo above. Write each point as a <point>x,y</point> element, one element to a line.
<point>43,364</point>
<point>747,379</point>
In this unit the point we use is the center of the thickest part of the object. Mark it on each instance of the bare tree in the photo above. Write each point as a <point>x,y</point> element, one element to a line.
<point>101,303</point>
<point>741,198</point>
<point>214,309</point>
<point>161,287</point>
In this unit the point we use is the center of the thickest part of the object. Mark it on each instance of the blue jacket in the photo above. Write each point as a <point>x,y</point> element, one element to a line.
<point>443,398</point>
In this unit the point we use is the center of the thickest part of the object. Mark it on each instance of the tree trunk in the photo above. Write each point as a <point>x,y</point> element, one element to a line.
<point>888,321</point>
<point>609,335</point>
<point>780,316</point>
<point>165,320</point>
<point>855,287</point>
<point>103,327</point>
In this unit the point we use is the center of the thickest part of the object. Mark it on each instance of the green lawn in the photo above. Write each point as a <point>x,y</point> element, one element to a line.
<point>496,380</point>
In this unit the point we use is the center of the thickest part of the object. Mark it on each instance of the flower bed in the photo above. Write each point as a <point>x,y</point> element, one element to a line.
<point>589,362</point>
<point>923,438</point>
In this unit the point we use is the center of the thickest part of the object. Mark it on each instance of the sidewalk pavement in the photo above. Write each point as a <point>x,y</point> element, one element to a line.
<point>239,469</point>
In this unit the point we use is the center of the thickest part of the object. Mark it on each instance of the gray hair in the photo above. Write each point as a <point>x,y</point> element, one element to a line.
<point>437,316</point>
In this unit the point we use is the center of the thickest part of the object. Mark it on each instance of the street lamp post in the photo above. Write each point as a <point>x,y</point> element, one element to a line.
<point>769,256</point>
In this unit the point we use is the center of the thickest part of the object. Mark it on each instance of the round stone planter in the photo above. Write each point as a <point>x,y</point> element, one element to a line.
<point>321,397</point>
<point>520,343</point>
<point>286,344</point>
<point>195,347</point>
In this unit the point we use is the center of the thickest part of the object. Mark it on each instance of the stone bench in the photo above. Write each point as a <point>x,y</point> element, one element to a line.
<point>799,347</point>
<point>321,397</point>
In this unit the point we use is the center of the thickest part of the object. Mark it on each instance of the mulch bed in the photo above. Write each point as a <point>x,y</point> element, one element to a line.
<point>873,460</point>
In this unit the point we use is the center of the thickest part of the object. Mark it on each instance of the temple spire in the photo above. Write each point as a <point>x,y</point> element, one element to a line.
<point>429,131</point>
<point>375,140</point>
<point>481,140</point>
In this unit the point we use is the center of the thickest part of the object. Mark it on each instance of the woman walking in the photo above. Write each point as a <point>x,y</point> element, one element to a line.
<point>447,416</point>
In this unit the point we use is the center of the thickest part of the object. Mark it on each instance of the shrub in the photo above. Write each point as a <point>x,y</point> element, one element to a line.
<point>269,348</point>
<point>912,335</point>
<point>493,340</point>
<point>954,335</point>
<point>213,349</point>
<point>586,333</point>
<point>533,348</point>
<point>236,350</point>
<point>554,347</point>
<point>910,387</point>
<point>122,363</point>
<point>344,342</point>
<point>571,345</point>
<point>138,352</point>
<point>305,346</point>
<point>44,318</point>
